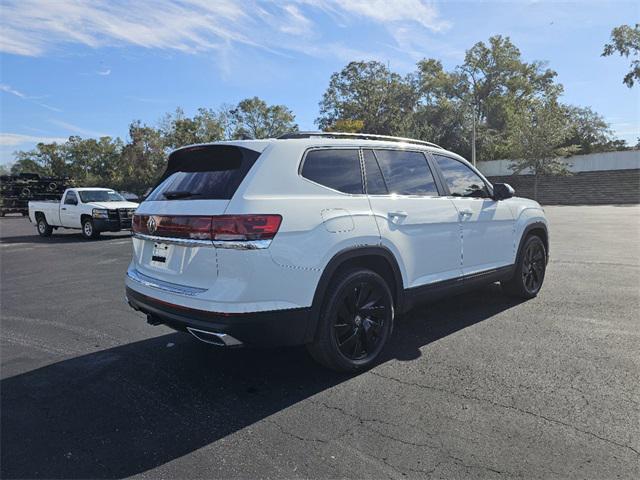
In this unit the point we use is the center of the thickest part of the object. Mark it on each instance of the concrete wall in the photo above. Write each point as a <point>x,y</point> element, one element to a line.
<point>596,179</point>
<point>627,160</point>
<point>582,188</point>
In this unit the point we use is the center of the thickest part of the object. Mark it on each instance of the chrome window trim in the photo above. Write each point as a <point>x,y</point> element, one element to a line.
<point>192,242</point>
<point>150,282</point>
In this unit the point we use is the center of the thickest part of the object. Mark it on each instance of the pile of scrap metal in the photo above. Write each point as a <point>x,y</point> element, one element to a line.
<point>17,190</point>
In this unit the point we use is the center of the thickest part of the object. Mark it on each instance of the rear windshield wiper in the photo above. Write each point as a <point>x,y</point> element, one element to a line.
<point>177,194</point>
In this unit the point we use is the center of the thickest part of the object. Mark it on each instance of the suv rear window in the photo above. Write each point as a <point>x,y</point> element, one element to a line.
<point>338,169</point>
<point>206,172</point>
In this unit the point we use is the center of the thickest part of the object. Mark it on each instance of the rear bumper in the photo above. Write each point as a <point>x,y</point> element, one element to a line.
<point>269,329</point>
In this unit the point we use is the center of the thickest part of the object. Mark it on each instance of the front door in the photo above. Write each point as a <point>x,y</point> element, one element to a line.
<point>69,211</point>
<point>415,222</point>
<point>486,224</point>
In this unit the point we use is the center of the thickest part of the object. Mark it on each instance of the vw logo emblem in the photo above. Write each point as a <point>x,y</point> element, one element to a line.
<point>151,225</point>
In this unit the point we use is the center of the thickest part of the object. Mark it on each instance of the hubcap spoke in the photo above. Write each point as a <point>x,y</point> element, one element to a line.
<point>360,319</point>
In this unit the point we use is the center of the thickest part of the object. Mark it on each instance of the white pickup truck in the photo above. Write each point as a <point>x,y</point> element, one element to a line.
<point>92,210</point>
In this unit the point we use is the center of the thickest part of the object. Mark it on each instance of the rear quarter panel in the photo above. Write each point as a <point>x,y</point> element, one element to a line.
<point>317,222</point>
<point>51,211</point>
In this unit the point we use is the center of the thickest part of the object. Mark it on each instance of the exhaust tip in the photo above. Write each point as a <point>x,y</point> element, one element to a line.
<point>213,338</point>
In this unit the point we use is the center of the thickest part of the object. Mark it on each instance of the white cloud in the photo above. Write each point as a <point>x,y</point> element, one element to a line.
<point>9,89</point>
<point>34,27</point>
<point>105,72</point>
<point>17,139</point>
<point>384,11</point>
<point>75,129</point>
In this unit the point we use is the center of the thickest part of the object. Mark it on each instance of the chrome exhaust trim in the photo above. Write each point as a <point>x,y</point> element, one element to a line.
<point>213,338</point>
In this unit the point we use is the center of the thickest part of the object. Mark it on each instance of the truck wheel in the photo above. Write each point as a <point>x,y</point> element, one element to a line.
<point>355,322</point>
<point>88,231</point>
<point>44,229</point>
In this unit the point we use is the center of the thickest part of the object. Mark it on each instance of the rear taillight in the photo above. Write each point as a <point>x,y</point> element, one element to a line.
<point>221,228</point>
<point>245,227</point>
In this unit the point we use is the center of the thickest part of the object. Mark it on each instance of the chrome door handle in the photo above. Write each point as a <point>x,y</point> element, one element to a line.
<point>465,211</point>
<point>397,217</point>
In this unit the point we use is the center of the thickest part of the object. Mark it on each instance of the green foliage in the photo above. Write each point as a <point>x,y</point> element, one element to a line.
<point>371,93</point>
<point>253,118</point>
<point>346,125</point>
<point>539,136</point>
<point>513,105</point>
<point>136,165</point>
<point>625,40</point>
<point>491,87</point>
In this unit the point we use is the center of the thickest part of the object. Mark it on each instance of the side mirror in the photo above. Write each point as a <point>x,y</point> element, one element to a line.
<point>502,191</point>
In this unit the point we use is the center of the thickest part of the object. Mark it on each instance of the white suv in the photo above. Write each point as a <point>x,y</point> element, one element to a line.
<point>321,239</point>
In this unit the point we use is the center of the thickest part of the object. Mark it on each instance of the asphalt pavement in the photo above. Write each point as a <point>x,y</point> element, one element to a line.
<point>475,386</point>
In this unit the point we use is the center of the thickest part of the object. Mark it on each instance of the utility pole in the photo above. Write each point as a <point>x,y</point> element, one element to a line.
<point>473,135</point>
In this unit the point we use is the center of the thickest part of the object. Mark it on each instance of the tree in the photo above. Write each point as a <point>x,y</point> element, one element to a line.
<point>253,118</point>
<point>370,93</point>
<point>206,126</point>
<point>538,136</point>
<point>347,126</point>
<point>45,159</point>
<point>625,40</point>
<point>143,159</point>
<point>590,132</point>
<point>493,82</point>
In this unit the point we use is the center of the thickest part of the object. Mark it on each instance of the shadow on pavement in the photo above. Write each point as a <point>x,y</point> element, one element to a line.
<point>63,238</point>
<point>128,409</point>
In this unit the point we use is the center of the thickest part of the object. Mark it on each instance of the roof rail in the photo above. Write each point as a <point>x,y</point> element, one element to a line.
<point>360,136</point>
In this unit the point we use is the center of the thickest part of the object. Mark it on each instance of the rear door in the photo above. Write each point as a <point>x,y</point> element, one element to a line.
<point>418,224</point>
<point>70,210</point>
<point>486,224</point>
<point>199,183</point>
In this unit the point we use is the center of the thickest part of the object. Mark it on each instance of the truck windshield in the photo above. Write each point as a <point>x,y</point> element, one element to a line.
<point>100,196</point>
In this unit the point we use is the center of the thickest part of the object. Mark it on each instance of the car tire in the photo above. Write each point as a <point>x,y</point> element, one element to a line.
<point>355,322</point>
<point>530,270</point>
<point>88,229</point>
<point>44,229</point>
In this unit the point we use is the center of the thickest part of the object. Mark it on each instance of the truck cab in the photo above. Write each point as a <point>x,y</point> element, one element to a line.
<point>91,210</point>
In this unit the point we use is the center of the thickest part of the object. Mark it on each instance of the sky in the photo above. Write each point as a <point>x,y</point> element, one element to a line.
<point>89,68</point>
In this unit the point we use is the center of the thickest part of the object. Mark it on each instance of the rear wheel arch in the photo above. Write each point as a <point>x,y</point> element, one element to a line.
<point>378,259</point>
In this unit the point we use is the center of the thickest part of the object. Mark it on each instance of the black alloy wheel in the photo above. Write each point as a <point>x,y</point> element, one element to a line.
<point>529,271</point>
<point>533,267</point>
<point>359,321</point>
<point>355,323</point>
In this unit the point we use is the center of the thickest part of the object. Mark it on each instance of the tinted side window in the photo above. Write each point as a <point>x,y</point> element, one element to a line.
<point>375,181</point>
<point>406,173</point>
<point>337,169</point>
<point>71,199</point>
<point>461,180</point>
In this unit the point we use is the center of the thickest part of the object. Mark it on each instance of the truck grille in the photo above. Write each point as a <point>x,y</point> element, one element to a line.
<point>125,214</point>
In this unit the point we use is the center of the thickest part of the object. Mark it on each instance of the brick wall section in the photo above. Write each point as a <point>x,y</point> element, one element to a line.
<point>584,188</point>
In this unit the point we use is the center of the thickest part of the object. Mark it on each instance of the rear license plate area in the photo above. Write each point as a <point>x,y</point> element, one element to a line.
<point>160,253</point>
